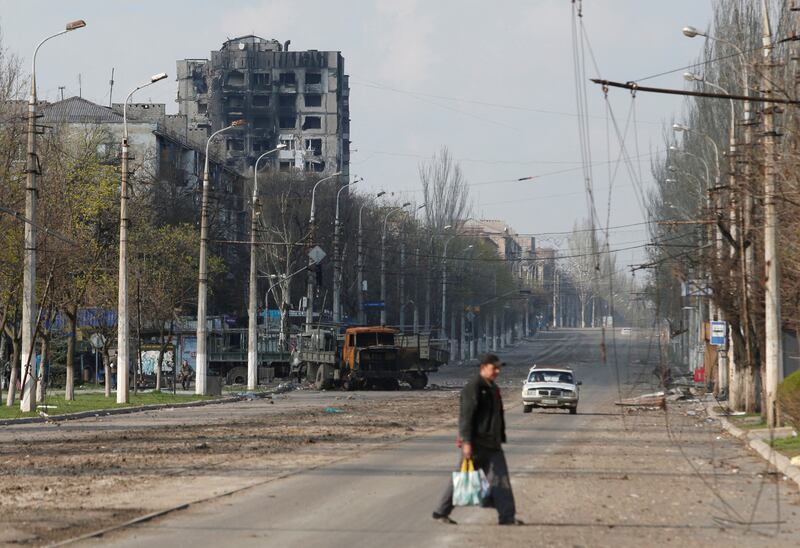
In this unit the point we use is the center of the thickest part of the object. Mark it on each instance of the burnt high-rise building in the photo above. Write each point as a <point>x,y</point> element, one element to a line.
<point>297,98</point>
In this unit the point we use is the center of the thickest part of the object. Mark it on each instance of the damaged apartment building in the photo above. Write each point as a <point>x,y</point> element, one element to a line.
<point>295,98</point>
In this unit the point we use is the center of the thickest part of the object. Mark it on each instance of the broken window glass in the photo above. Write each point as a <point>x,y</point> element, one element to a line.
<point>261,80</point>
<point>288,79</point>
<point>235,144</point>
<point>235,78</point>
<point>313,78</point>
<point>287,122</point>
<point>314,146</point>
<point>312,122</point>
<point>286,100</point>
<point>313,99</point>
<point>260,100</point>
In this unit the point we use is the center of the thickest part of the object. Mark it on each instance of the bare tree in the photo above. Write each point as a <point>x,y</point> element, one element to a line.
<point>445,191</point>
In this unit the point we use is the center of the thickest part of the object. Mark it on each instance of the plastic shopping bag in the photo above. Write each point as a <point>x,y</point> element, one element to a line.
<point>468,488</point>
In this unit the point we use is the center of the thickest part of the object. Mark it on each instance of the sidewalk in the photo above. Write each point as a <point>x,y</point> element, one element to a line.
<point>755,439</point>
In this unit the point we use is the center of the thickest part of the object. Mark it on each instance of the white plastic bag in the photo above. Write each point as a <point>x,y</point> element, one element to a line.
<point>468,485</point>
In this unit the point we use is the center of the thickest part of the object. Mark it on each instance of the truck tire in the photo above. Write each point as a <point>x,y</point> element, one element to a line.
<point>573,410</point>
<point>418,381</point>
<point>237,375</point>
<point>323,381</point>
<point>527,408</point>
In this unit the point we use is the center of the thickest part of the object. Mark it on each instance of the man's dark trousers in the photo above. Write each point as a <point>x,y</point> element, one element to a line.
<point>493,464</point>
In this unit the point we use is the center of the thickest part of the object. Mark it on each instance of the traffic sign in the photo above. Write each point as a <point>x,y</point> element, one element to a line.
<point>719,332</point>
<point>375,304</point>
<point>97,340</point>
<point>316,255</point>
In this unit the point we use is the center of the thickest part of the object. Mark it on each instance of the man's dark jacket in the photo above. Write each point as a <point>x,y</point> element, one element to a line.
<point>481,421</point>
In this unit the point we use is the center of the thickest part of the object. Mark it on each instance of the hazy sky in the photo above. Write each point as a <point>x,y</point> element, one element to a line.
<point>491,80</point>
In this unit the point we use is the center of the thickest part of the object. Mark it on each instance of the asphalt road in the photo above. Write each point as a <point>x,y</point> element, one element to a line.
<point>595,478</point>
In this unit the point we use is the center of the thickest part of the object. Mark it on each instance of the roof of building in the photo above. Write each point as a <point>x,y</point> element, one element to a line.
<point>77,110</point>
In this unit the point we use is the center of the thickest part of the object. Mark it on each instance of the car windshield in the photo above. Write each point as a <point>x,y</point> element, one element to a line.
<point>551,376</point>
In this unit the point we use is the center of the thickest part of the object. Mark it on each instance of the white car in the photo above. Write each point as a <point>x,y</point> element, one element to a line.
<point>551,387</point>
<point>625,331</point>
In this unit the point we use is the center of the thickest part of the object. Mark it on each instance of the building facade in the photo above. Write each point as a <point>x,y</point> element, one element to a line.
<point>296,98</point>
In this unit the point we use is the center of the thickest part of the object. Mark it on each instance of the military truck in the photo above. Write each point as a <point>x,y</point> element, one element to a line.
<point>419,356</point>
<point>363,357</point>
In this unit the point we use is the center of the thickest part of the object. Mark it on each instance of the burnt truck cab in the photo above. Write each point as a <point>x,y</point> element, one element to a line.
<point>370,357</point>
<point>360,358</point>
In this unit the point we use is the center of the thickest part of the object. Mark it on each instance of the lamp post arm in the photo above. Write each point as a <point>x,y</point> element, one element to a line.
<point>33,62</point>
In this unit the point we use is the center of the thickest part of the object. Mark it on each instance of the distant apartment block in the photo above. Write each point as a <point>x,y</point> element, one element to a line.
<point>298,98</point>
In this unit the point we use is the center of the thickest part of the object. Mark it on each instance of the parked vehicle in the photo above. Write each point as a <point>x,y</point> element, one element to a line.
<point>366,357</point>
<point>550,387</point>
<point>419,356</point>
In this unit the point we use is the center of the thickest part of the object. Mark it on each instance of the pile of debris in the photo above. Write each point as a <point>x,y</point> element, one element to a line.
<point>658,400</point>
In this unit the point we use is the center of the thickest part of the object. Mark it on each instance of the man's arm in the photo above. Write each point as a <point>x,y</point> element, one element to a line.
<point>466,417</point>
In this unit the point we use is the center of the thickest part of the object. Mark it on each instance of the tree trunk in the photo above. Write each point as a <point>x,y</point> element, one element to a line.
<point>3,352</point>
<point>41,385</point>
<point>12,383</point>
<point>69,388</point>
<point>107,372</point>
<point>160,359</point>
<point>583,312</point>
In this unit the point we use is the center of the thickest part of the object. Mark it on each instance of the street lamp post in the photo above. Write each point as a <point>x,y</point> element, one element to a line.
<point>201,365</point>
<point>27,400</point>
<point>361,314</point>
<point>402,281</point>
<point>745,203</point>
<point>311,232</point>
<point>429,279</point>
<point>383,260</point>
<point>252,308</point>
<point>442,331</point>
<point>337,260</point>
<point>123,343</point>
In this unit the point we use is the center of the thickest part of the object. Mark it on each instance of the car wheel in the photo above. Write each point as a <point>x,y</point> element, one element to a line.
<point>527,408</point>
<point>573,410</point>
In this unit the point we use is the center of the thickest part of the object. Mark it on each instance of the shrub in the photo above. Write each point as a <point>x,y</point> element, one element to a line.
<point>789,399</point>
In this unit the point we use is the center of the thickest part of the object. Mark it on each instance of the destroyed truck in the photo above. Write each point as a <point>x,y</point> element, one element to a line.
<point>364,357</point>
<point>420,355</point>
<point>367,357</point>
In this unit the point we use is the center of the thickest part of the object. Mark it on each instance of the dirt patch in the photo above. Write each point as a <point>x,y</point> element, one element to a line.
<point>61,485</point>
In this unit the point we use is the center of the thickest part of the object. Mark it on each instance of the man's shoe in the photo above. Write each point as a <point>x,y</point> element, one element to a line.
<point>514,521</point>
<point>444,519</point>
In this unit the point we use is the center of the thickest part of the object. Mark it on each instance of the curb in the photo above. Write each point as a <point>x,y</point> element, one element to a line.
<point>130,410</point>
<point>781,463</point>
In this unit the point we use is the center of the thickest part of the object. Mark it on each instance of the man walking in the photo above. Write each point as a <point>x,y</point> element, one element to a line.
<point>482,431</point>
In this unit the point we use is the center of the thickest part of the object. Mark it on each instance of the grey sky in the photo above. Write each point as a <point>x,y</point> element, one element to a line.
<point>492,80</point>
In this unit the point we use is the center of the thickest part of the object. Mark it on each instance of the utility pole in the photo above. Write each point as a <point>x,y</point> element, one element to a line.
<point>201,363</point>
<point>555,297</point>
<point>772,297</point>
<point>383,260</point>
<point>27,399</point>
<point>252,298</point>
<point>123,328</point>
<point>337,260</point>
<point>310,278</point>
<point>361,314</point>
<point>416,286</point>
<point>110,89</point>
<point>401,282</point>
